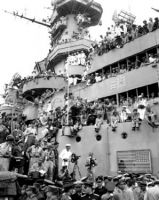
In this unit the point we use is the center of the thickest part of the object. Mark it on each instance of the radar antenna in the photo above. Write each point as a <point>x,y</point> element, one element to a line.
<point>157,10</point>
<point>48,8</point>
<point>27,18</point>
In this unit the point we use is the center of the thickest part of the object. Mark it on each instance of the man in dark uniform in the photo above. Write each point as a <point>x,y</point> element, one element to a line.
<point>110,186</point>
<point>89,195</point>
<point>31,193</point>
<point>142,190</point>
<point>17,132</point>
<point>56,154</point>
<point>68,190</point>
<point>51,193</point>
<point>100,189</point>
<point>17,160</point>
<point>78,191</point>
<point>39,194</point>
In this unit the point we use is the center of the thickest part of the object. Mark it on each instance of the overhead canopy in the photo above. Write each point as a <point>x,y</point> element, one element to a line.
<point>93,9</point>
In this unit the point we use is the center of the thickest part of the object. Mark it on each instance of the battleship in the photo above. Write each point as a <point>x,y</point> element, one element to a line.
<point>64,76</point>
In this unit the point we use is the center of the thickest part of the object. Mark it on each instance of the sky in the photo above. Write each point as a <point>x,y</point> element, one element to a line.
<point>22,43</point>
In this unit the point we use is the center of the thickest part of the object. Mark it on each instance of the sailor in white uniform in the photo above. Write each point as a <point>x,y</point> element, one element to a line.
<point>65,155</point>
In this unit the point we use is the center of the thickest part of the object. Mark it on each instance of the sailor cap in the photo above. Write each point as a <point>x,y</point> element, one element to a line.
<point>68,145</point>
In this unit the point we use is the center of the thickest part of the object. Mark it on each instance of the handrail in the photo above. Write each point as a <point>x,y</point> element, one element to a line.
<point>67,45</point>
<point>43,82</point>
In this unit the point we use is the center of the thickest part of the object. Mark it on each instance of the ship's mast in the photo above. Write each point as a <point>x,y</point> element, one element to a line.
<point>27,18</point>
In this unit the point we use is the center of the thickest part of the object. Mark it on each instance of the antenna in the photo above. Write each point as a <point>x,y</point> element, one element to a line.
<point>48,8</point>
<point>27,18</point>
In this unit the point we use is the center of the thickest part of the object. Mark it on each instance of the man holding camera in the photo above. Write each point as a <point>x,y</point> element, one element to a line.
<point>74,159</point>
<point>91,163</point>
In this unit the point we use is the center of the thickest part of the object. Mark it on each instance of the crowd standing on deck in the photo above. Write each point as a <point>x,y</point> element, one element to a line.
<point>78,112</point>
<point>121,33</point>
<point>103,74</point>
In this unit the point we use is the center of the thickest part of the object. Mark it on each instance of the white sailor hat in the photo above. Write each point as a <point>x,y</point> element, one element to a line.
<point>67,145</point>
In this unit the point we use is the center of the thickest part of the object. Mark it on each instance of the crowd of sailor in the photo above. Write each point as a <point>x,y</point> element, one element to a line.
<point>114,70</point>
<point>116,35</point>
<point>9,122</point>
<point>37,74</point>
<point>37,155</point>
<point>30,152</point>
<point>78,58</point>
<point>20,142</point>
<point>124,67</point>
<point>78,112</point>
<point>81,58</point>
<point>84,59</point>
<point>121,187</point>
<point>85,109</point>
<point>121,33</point>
